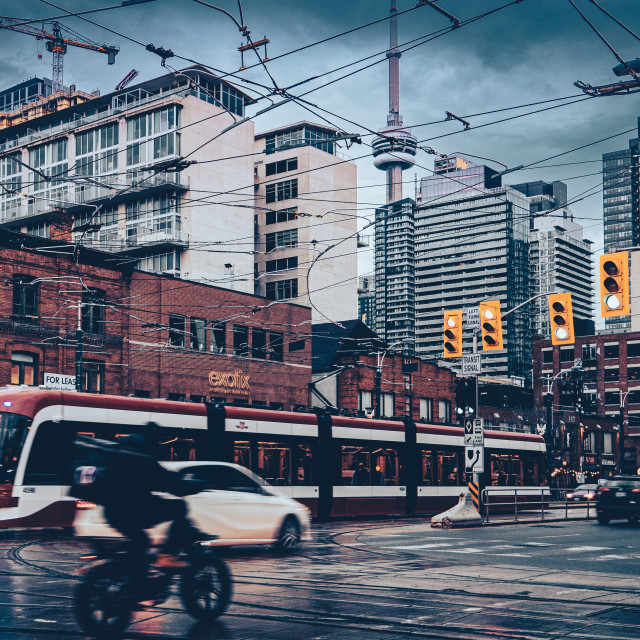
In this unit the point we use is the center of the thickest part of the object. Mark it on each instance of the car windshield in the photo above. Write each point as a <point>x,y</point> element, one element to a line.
<point>623,482</point>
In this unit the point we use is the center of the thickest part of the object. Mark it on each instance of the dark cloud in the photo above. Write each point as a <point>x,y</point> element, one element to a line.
<point>528,52</point>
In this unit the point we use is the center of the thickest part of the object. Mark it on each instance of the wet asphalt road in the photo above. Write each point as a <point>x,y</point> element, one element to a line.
<point>379,580</point>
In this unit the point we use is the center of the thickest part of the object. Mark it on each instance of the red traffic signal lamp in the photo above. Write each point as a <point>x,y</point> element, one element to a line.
<point>614,284</point>
<point>561,318</point>
<point>453,334</point>
<point>491,324</point>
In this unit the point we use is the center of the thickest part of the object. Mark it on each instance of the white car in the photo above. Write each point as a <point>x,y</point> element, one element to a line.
<point>237,506</point>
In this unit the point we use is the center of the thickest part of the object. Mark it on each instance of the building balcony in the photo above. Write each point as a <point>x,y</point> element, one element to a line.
<point>363,241</point>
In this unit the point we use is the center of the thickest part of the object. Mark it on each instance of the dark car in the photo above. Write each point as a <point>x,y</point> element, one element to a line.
<point>619,498</point>
<point>583,492</point>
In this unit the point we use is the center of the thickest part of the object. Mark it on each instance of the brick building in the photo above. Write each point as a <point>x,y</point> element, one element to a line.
<point>144,334</point>
<point>345,359</point>
<point>590,382</point>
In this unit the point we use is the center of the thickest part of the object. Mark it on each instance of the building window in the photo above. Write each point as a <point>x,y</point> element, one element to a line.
<point>612,397</point>
<point>282,289</point>
<point>633,373</point>
<point>177,397</point>
<point>612,375</point>
<point>281,239</point>
<point>259,344</point>
<point>284,215</point>
<point>589,352</point>
<point>426,409</point>
<point>93,376</point>
<point>365,400</point>
<point>611,351</point>
<point>141,393</point>
<point>218,334</point>
<point>276,346</point>
<point>444,411</point>
<point>547,356</point>
<point>290,164</point>
<point>197,334</point>
<point>177,330</point>
<point>607,443</point>
<point>633,349</point>
<point>240,341</point>
<point>282,264</point>
<point>589,442</point>
<point>387,405</point>
<point>285,190</point>
<point>25,299</point>
<point>24,368</point>
<point>196,398</point>
<point>297,345</point>
<point>93,306</point>
<point>567,355</point>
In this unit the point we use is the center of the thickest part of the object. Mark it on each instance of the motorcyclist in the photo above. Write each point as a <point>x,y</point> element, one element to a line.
<point>133,507</point>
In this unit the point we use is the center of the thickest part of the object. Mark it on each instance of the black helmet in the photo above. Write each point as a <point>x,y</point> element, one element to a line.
<point>137,442</point>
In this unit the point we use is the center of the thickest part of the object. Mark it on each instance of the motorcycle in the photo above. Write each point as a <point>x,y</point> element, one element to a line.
<point>110,592</point>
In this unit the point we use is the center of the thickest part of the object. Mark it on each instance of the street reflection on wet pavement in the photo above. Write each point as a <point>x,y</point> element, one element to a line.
<point>377,580</point>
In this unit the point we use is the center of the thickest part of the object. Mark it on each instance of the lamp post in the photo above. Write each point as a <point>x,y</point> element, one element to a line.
<point>378,377</point>
<point>623,399</point>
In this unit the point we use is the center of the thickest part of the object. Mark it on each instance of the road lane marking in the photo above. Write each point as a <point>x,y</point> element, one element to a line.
<point>431,545</point>
<point>588,548</point>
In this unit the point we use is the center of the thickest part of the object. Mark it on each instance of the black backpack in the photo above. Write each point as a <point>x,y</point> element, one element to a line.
<point>100,470</point>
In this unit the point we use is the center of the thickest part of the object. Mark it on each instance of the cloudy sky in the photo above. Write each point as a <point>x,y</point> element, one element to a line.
<point>526,53</point>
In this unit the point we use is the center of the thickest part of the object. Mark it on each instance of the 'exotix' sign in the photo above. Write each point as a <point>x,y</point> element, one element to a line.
<point>235,382</point>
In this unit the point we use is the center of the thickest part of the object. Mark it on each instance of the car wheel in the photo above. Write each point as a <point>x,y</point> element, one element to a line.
<point>603,518</point>
<point>289,535</point>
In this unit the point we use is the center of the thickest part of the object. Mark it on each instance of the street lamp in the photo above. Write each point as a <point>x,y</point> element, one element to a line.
<point>378,380</point>
<point>623,398</point>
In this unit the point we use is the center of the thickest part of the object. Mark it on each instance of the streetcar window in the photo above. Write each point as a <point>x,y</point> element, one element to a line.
<point>368,466</point>
<point>274,463</point>
<point>13,431</point>
<point>242,454</point>
<point>427,474</point>
<point>279,463</point>
<point>506,469</point>
<point>448,468</point>
<point>51,456</point>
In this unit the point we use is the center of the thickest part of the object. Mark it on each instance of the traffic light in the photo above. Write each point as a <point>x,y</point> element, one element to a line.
<point>466,398</point>
<point>453,334</point>
<point>491,323</point>
<point>614,284</point>
<point>561,317</point>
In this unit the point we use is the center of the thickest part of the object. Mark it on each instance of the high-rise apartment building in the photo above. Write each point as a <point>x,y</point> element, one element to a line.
<point>395,237</point>
<point>561,258</point>
<point>162,173</point>
<point>472,244</point>
<point>366,300</point>
<point>621,206</point>
<point>305,203</point>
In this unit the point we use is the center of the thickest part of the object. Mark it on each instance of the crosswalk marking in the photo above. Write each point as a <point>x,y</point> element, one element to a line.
<point>588,548</point>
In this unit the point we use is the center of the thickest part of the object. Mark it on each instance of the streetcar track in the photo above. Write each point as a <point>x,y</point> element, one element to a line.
<point>355,622</point>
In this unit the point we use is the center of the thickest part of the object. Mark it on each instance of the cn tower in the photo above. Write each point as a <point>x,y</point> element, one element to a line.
<point>394,149</point>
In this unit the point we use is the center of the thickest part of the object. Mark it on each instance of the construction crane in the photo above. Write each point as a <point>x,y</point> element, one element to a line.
<point>58,45</point>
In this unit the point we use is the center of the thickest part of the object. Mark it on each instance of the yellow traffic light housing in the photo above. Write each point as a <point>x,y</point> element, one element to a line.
<point>561,317</point>
<point>614,284</point>
<point>491,324</point>
<point>453,334</point>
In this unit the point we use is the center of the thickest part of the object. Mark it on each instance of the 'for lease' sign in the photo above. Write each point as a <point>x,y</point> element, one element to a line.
<point>59,382</point>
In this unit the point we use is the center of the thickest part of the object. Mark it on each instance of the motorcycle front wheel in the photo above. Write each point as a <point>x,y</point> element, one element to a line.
<point>102,603</point>
<point>206,588</point>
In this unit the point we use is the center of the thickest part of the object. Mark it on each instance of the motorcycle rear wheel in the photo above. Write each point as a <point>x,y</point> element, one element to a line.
<point>102,601</point>
<point>206,588</point>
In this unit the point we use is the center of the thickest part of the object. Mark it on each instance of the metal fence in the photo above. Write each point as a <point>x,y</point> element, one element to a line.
<point>501,503</point>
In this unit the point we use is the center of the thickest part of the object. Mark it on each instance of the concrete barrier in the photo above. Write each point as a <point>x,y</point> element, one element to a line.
<point>463,514</point>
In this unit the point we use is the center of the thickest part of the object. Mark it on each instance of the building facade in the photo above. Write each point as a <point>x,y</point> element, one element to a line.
<point>305,203</point>
<point>621,206</point>
<point>145,334</point>
<point>598,377</point>
<point>395,237</point>
<point>162,174</point>
<point>561,258</point>
<point>472,244</point>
